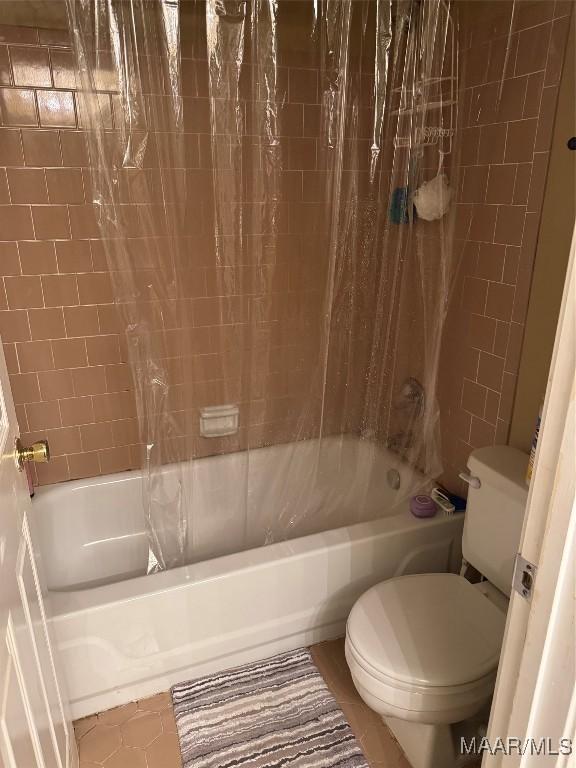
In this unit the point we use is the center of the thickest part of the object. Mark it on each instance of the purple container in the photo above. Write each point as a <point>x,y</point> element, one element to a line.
<point>422,506</point>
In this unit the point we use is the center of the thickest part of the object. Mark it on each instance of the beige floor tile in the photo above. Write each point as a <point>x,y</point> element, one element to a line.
<point>126,757</point>
<point>164,752</point>
<point>141,729</point>
<point>146,736</point>
<point>155,703</point>
<point>100,743</point>
<point>330,660</point>
<point>118,715</point>
<point>360,717</point>
<point>83,726</point>
<point>168,720</point>
<point>382,749</point>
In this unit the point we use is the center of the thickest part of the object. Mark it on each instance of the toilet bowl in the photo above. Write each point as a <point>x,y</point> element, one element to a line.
<point>434,664</point>
<point>430,666</point>
<point>423,650</point>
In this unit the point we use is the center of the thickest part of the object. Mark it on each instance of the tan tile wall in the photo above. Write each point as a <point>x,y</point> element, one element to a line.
<point>509,103</point>
<point>62,334</point>
<point>65,365</point>
<point>66,352</point>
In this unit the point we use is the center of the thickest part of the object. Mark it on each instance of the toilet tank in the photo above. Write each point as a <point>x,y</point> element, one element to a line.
<point>495,512</point>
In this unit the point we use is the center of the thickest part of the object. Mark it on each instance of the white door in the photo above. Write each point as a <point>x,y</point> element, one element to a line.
<point>34,730</point>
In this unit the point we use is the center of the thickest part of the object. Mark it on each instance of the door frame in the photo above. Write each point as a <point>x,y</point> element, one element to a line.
<point>531,667</point>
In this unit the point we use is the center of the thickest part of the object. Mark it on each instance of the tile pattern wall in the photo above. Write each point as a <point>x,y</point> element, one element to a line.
<point>508,107</point>
<point>63,340</point>
<point>66,361</point>
<point>66,353</point>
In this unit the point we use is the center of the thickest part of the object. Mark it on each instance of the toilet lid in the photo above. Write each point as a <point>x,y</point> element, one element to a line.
<point>433,629</point>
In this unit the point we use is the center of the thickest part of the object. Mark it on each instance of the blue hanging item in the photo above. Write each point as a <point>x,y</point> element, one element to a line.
<point>399,206</point>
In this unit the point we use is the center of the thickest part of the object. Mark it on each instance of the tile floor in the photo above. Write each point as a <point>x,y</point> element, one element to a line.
<point>137,735</point>
<point>143,734</point>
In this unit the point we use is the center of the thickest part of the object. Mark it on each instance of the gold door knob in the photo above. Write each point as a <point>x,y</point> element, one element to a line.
<point>38,452</point>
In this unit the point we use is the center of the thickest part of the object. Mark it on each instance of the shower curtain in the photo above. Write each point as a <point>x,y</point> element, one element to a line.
<point>254,185</point>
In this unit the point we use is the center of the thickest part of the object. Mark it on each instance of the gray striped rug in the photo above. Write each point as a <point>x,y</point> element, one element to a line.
<point>276,713</point>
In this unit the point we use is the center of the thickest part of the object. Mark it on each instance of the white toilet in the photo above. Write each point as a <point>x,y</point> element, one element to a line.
<point>423,650</point>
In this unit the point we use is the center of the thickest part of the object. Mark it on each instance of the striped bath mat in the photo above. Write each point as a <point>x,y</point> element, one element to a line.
<point>273,713</point>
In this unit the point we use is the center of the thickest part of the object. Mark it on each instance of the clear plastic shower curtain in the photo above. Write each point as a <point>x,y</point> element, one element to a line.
<point>130,51</point>
<point>255,192</point>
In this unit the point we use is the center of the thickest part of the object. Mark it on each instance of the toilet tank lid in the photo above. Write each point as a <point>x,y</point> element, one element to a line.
<point>503,467</point>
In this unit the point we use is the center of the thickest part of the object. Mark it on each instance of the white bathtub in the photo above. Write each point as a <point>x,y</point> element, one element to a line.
<point>230,503</point>
<point>133,635</point>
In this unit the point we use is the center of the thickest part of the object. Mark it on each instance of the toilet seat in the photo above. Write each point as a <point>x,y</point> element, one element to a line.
<point>425,647</point>
<point>439,704</point>
<point>432,629</point>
